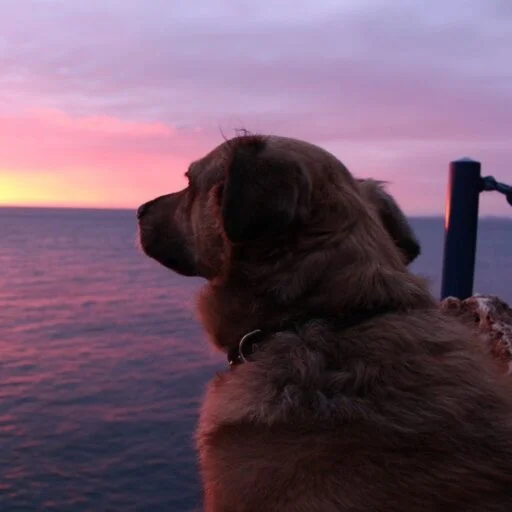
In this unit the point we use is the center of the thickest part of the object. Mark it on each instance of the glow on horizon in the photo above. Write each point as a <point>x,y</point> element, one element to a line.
<point>58,160</point>
<point>47,190</point>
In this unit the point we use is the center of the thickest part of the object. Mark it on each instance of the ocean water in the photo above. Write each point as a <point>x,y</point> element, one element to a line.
<point>103,364</point>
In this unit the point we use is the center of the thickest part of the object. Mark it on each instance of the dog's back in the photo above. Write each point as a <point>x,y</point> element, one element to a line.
<point>391,415</point>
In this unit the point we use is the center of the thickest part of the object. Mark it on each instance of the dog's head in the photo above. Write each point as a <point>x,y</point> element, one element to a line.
<point>254,190</point>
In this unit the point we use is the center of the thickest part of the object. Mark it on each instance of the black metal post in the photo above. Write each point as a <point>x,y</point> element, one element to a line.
<point>461,223</point>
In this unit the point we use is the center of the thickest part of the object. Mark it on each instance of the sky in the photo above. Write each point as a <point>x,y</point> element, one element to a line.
<point>104,103</point>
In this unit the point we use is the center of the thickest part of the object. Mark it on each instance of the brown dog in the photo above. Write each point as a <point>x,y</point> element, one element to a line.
<point>348,389</point>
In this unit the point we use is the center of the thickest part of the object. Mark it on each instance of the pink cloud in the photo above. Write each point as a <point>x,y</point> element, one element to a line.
<point>91,161</point>
<point>43,138</point>
<point>101,124</point>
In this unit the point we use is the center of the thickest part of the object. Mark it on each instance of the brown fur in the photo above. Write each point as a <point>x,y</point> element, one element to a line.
<point>402,411</point>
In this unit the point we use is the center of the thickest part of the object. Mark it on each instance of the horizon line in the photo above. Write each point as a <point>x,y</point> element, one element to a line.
<point>127,209</point>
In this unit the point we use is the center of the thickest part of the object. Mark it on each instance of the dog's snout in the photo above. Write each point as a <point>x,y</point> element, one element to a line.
<point>144,208</point>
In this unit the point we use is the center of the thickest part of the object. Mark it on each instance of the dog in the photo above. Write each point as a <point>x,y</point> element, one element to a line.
<point>347,389</point>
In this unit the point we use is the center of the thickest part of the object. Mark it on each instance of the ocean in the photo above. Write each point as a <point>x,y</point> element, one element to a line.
<point>103,363</point>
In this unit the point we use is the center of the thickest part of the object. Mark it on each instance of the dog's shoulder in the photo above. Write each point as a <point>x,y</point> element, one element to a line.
<point>361,399</point>
<point>420,358</point>
<point>255,392</point>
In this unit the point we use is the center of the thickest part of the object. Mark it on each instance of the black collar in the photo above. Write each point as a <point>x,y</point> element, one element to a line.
<point>250,342</point>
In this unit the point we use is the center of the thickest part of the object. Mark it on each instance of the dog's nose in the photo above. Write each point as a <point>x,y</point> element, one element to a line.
<point>143,209</point>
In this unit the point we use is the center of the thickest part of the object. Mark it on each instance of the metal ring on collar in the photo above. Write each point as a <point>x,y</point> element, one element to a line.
<point>245,337</point>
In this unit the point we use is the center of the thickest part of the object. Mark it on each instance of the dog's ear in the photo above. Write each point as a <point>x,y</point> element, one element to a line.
<point>265,191</point>
<point>393,218</point>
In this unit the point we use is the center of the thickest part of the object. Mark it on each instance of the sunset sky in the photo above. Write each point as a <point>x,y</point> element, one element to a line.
<point>104,102</point>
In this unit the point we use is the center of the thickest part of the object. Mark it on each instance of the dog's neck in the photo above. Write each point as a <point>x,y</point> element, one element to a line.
<point>328,275</point>
<point>230,312</point>
<point>250,342</point>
